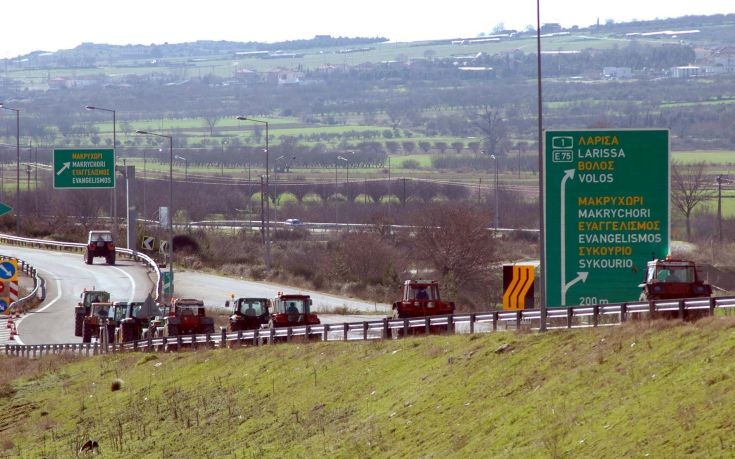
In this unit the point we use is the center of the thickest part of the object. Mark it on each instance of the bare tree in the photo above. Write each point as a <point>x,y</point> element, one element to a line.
<point>454,240</point>
<point>690,186</point>
<point>490,123</point>
<point>210,121</point>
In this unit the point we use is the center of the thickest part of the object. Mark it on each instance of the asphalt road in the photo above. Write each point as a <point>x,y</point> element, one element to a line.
<point>66,277</point>
<point>215,290</point>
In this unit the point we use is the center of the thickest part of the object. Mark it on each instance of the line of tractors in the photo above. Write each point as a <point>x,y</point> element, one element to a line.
<point>130,321</point>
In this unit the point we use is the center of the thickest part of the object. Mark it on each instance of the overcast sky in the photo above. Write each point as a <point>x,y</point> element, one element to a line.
<point>49,25</point>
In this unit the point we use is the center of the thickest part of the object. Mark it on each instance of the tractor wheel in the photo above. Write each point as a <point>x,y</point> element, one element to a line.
<point>111,259</point>
<point>126,332</point>
<point>88,258</point>
<point>78,324</point>
<point>209,328</point>
<point>110,333</point>
<point>271,326</point>
<point>86,333</point>
<point>171,330</point>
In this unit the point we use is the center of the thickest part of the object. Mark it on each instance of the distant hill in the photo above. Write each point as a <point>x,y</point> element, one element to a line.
<point>198,48</point>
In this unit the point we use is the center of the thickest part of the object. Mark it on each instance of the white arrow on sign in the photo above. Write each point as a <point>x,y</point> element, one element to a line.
<point>66,166</point>
<point>148,243</point>
<point>581,276</point>
<point>568,174</point>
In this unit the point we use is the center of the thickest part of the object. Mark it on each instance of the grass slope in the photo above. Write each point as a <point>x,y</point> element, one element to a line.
<point>659,389</point>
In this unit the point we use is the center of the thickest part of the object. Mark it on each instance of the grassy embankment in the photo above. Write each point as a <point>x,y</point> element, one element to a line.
<point>661,389</point>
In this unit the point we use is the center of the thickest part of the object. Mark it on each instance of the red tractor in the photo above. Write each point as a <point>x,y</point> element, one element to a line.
<point>250,314</point>
<point>97,317</point>
<point>100,244</point>
<point>187,316</point>
<point>83,307</point>
<point>671,279</point>
<point>290,310</point>
<point>420,298</point>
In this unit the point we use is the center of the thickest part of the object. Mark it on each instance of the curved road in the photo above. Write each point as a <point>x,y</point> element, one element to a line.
<point>66,277</point>
<point>215,290</point>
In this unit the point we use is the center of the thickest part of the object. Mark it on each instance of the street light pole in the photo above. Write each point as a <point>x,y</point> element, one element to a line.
<point>222,161</point>
<point>497,201</point>
<point>275,192</point>
<point>114,161</point>
<point>186,167</point>
<point>719,206</point>
<point>17,172</point>
<point>170,204</point>
<point>347,183</point>
<point>267,194</point>
<point>542,234</point>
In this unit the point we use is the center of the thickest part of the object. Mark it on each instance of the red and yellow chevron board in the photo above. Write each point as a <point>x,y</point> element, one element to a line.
<point>8,283</point>
<point>518,287</point>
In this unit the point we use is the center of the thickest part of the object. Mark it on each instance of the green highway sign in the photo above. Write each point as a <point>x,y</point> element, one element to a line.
<point>84,168</point>
<point>4,208</point>
<point>606,212</point>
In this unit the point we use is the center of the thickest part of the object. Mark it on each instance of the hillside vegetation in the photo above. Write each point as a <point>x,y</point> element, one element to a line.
<point>647,389</point>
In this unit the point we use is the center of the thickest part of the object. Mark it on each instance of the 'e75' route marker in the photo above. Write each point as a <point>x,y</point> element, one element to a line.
<point>84,168</point>
<point>606,212</point>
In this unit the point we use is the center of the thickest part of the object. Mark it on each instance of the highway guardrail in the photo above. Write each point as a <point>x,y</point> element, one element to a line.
<point>466,323</point>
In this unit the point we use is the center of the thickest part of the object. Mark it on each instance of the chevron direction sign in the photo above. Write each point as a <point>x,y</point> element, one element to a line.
<point>518,281</point>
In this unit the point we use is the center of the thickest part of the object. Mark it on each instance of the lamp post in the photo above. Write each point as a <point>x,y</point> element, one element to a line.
<point>720,180</point>
<point>497,201</point>
<point>542,234</point>
<point>170,204</point>
<point>389,195</point>
<point>719,206</point>
<point>275,192</point>
<point>114,161</point>
<point>267,241</point>
<point>145,162</point>
<point>336,201</point>
<point>17,172</point>
<point>186,167</point>
<point>222,161</point>
<point>347,183</point>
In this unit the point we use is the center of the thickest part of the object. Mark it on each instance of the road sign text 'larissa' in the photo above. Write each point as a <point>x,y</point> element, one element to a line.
<point>606,212</point>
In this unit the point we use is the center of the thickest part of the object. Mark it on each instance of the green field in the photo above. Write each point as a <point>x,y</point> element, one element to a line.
<point>661,389</point>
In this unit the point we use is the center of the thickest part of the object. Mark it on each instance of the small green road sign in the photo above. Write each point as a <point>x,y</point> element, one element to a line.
<point>84,168</point>
<point>167,283</point>
<point>4,209</point>
<point>606,213</point>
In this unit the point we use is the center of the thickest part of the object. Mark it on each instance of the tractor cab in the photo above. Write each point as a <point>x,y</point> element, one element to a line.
<point>289,310</point>
<point>250,313</point>
<point>420,298</point>
<point>673,279</point>
<point>421,292</point>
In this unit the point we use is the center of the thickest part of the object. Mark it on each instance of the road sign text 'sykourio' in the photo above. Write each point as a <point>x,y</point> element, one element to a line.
<point>84,168</point>
<point>606,212</point>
